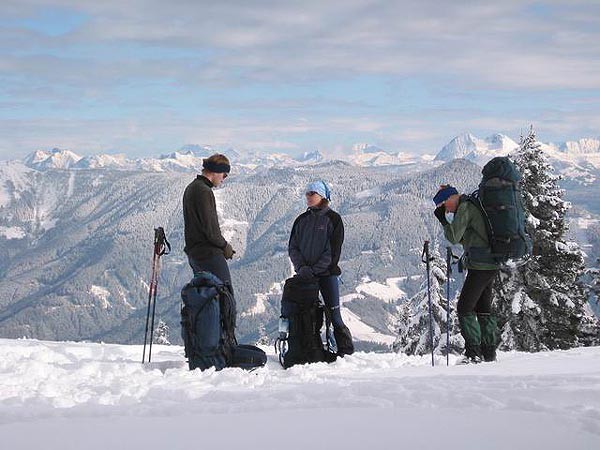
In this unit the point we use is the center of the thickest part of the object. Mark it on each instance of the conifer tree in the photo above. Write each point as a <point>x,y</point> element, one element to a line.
<point>161,335</point>
<point>413,316</point>
<point>541,304</point>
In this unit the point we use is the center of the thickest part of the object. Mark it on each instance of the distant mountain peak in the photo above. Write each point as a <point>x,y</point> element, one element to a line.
<point>475,149</point>
<point>53,159</point>
<point>363,148</point>
<point>583,146</point>
<point>314,156</point>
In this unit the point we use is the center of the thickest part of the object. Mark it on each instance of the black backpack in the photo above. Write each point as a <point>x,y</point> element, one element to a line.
<point>208,327</point>
<point>500,201</point>
<point>300,306</point>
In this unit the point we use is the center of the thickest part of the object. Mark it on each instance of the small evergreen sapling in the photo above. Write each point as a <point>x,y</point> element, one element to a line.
<point>413,316</point>
<point>161,334</point>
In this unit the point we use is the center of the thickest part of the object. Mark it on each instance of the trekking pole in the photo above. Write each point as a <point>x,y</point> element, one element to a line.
<point>448,272</point>
<point>161,247</point>
<point>426,259</point>
<point>450,258</point>
<point>150,290</point>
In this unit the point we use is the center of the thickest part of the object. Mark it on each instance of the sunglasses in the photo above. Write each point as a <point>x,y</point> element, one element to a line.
<point>310,193</point>
<point>225,175</point>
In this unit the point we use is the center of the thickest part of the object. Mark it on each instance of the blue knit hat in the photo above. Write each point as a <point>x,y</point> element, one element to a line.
<point>444,194</point>
<point>321,188</point>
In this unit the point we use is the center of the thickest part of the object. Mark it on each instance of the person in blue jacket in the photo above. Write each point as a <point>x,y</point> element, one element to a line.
<point>315,246</point>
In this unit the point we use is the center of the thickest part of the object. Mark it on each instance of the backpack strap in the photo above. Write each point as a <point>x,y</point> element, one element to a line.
<point>474,199</point>
<point>227,308</point>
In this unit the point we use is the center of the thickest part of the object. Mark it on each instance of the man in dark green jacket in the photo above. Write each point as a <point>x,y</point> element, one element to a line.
<point>477,324</point>
<point>205,246</point>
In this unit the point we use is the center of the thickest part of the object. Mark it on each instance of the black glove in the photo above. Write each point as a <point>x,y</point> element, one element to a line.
<point>440,213</point>
<point>228,251</point>
<point>305,272</point>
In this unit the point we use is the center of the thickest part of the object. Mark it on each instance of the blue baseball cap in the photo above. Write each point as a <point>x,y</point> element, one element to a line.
<point>321,188</point>
<point>444,194</point>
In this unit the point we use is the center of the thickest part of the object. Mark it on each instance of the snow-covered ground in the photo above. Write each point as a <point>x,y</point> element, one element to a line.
<point>57,395</point>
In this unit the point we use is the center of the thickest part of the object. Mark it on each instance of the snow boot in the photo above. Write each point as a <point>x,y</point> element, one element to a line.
<point>489,353</point>
<point>473,354</point>
<point>343,339</point>
<point>489,336</point>
<point>471,332</point>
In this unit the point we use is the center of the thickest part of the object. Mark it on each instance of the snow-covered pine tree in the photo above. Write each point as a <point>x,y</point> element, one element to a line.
<point>161,334</point>
<point>541,305</point>
<point>591,283</point>
<point>263,337</point>
<point>593,286</point>
<point>413,316</point>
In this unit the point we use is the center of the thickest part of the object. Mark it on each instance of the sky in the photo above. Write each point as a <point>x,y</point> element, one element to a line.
<point>147,77</point>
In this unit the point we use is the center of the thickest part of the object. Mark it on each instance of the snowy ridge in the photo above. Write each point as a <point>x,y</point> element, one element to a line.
<point>576,160</point>
<point>95,396</point>
<point>104,161</point>
<point>15,178</point>
<point>477,150</point>
<point>54,159</point>
<point>581,147</point>
<point>581,153</point>
<point>366,155</point>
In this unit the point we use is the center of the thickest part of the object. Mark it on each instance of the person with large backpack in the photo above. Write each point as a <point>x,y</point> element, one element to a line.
<point>208,314</point>
<point>315,247</point>
<point>490,225</point>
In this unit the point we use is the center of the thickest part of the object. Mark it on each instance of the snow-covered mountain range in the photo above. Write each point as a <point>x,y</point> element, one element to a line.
<point>75,245</point>
<point>579,161</point>
<point>74,231</point>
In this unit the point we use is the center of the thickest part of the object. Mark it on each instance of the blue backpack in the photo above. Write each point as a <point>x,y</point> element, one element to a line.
<point>208,327</point>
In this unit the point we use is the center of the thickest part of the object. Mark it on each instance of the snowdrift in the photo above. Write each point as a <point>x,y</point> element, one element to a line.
<point>57,395</point>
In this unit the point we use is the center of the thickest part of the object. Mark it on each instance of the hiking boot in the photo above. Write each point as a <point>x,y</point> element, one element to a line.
<point>343,339</point>
<point>489,353</point>
<point>469,360</point>
<point>472,355</point>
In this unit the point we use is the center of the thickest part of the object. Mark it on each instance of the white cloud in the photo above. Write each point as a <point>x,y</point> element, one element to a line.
<point>494,43</point>
<point>515,47</point>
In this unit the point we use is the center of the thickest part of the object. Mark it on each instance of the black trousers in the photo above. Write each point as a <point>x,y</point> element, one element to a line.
<point>217,265</point>
<point>476,294</point>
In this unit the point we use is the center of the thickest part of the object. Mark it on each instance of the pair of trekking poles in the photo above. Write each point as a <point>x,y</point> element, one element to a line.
<point>451,259</point>
<point>161,247</point>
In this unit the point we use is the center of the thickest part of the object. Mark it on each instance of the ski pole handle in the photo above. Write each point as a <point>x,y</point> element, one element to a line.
<point>161,245</point>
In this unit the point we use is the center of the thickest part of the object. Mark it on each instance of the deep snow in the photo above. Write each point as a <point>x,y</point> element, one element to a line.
<point>56,395</point>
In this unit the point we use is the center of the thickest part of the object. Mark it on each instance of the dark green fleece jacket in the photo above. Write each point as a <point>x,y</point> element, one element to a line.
<point>468,228</point>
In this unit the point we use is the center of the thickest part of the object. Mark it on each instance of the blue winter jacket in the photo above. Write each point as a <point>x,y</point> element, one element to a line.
<point>316,241</point>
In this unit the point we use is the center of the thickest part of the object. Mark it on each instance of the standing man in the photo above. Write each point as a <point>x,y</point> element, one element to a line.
<point>205,246</point>
<point>477,324</point>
